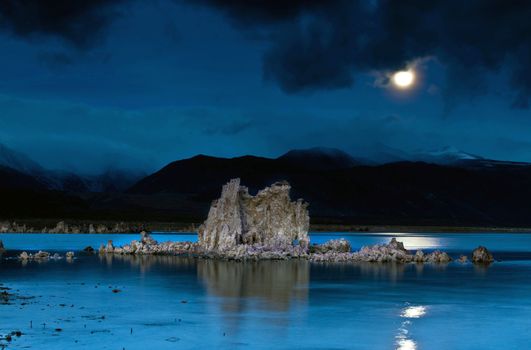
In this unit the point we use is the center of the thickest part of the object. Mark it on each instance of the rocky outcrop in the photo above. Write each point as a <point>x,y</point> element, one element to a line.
<point>437,257</point>
<point>269,221</point>
<point>43,256</point>
<point>394,251</point>
<point>481,255</point>
<point>8,227</point>
<point>331,251</point>
<point>267,226</point>
<point>64,227</point>
<point>149,246</point>
<point>335,245</point>
<point>40,255</point>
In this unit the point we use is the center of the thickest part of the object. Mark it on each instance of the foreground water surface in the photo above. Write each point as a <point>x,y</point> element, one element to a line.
<point>125,302</point>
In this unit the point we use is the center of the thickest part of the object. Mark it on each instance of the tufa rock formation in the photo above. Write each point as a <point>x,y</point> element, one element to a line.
<point>269,219</point>
<point>481,255</point>
<point>335,245</point>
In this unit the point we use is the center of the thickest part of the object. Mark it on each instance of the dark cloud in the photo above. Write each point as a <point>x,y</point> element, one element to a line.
<point>79,22</point>
<point>323,44</point>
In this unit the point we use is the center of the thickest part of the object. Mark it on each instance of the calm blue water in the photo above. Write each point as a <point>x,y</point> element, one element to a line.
<point>177,302</point>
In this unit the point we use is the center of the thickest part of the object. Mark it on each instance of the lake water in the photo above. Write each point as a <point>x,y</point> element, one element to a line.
<point>185,303</point>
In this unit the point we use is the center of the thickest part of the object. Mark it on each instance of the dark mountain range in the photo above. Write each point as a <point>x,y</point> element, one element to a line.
<point>322,158</point>
<point>464,190</point>
<point>402,192</point>
<point>12,179</point>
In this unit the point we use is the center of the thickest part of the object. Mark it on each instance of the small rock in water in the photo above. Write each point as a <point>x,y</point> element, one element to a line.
<point>88,249</point>
<point>116,291</point>
<point>481,255</point>
<point>69,255</point>
<point>419,256</point>
<point>41,255</point>
<point>463,259</point>
<point>24,256</point>
<point>438,257</point>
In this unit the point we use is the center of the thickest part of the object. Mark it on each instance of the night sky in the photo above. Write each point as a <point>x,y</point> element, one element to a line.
<point>91,84</point>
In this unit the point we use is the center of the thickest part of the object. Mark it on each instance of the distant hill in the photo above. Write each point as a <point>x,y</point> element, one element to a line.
<point>196,174</point>
<point>320,158</point>
<point>12,179</point>
<point>462,190</point>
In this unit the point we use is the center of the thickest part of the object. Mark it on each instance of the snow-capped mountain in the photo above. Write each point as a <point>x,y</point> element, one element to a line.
<point>446,156</point>
<point>454,157</point>
<point>112,180</point>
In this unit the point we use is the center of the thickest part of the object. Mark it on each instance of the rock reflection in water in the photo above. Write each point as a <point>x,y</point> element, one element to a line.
<point>276,283</point>
<point>146,262</point>
<point>375,271</point>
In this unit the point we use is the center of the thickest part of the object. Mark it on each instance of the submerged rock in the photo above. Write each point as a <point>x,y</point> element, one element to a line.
<point>268,220</point>
<point>481,255</point>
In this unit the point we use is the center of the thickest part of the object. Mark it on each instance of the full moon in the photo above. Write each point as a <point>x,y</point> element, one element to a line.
<point>404,79</point>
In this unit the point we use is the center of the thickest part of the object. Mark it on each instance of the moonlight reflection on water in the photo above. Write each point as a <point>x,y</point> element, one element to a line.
<point>403,341</point>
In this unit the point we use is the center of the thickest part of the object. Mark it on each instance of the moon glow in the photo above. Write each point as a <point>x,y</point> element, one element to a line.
<point>403,79</point>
